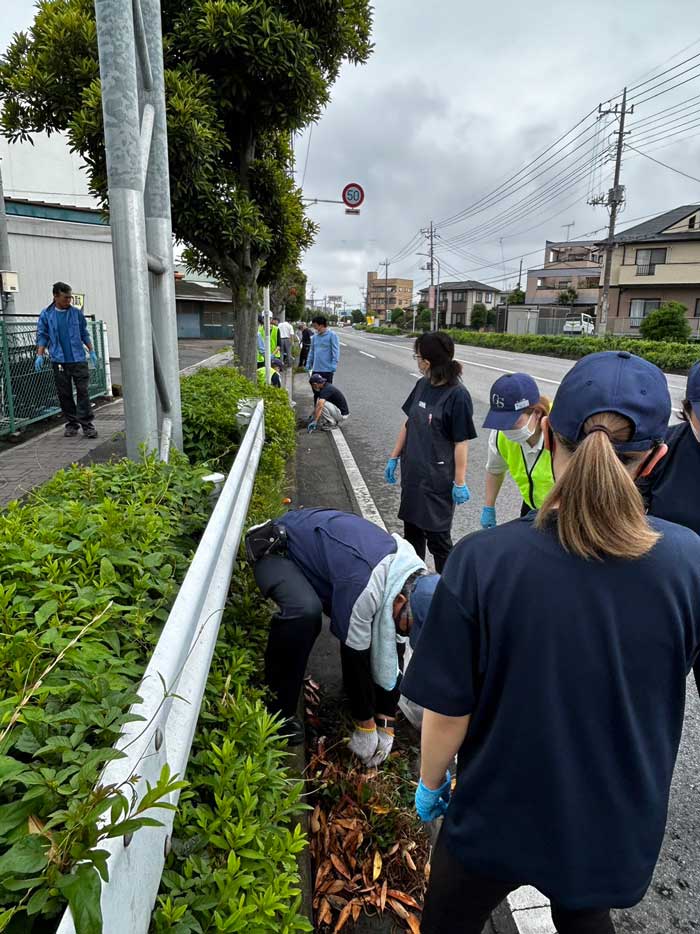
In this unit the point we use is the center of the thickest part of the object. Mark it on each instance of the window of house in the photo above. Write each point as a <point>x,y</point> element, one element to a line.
<point>691,223</point>
<point>648,260</point>
<point>212,318</point>
<point>697,307</point>
<point>478,296</point>
<point>640,308</point>
<point>489,298</point>
<point>458,297</point>
<point>563,283</point>
<point>458,320</point>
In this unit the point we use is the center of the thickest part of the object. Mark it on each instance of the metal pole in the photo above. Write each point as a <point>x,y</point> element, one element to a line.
<point>432,281</point>
<point>159,238</point>
<point>120,107</point>
<point>615,197</point>
<point>266,315</point>
<point>437,298</point>
<point>386,290</point>
<point>7,299</point>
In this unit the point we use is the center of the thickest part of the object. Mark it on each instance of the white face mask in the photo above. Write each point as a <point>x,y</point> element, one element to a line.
<point>520,435</point>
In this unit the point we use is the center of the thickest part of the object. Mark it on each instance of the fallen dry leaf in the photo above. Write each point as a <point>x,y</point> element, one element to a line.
<point>382,897</point>
<point>376,866</point>
<point>314,822</point>
<point>413,924</point>
<point>323,871</point>
<point>343,917</point>
<point>339,866</point>
<point>34,825</point>
<point>409,860</point>
<point>356,909</point>
<point>325,914</point>
<point>399,909</point>
<point>403,897</point>
<point>394,849</point>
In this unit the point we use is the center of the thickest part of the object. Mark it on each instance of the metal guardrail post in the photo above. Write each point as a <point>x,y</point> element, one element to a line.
<point>180,661</point>
<point>9,401</point>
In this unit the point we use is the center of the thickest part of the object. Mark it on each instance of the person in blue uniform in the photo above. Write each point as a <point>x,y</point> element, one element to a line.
<point>673,490</point>
<point>563,699</point>
<point>373,587</point>
<point>432,447</point>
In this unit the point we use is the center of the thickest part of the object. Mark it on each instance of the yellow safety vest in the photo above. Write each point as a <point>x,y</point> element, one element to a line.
<point>534,485</point>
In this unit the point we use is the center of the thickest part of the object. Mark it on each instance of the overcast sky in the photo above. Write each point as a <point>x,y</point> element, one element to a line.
<point>456,98</point>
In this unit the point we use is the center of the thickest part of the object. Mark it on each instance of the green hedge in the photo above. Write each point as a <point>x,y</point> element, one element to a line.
<point>668,356</point>
<point>90,563</point>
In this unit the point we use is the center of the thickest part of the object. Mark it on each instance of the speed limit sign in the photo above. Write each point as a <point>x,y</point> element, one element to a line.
<point>353,195</point>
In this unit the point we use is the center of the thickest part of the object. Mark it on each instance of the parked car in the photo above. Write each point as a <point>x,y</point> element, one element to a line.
<point>577,322</point>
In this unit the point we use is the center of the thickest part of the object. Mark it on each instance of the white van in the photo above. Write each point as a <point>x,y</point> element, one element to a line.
<point>578,322</point>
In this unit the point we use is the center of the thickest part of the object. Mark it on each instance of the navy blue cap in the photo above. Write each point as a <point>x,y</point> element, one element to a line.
<point>317,378</point>
<point>510,396</point>
<point>692,393</point>
<point>614,381</point>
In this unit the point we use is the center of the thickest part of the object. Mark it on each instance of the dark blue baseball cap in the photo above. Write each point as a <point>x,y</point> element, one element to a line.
<point>510,396</point>
<point>692,392</point>
<point>614,381</point>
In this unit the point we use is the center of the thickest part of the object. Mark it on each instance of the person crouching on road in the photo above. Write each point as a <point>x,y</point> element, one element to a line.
<point>564,703</point>
<point>672,491</point>
<point>62,331</point>
<point>516,444</point>
<point>276,368</point>
<point>432,446</point>
<point>331,408</point>
<point>315,561</point>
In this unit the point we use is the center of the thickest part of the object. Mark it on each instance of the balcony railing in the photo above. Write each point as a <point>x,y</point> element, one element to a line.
<point>647,269</point>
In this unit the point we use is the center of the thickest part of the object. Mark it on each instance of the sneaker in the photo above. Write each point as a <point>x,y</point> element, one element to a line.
<point>70,431</point>
<point>90,432</point>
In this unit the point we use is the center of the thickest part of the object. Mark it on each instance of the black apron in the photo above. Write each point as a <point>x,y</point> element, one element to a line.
<point>428,463</point>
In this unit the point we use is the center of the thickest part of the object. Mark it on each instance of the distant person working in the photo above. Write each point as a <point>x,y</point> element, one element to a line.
<point>331,406</point>
<point>325,349</point>
<point>305,335</point>
<point>62,335</point>
<point>286,334</point>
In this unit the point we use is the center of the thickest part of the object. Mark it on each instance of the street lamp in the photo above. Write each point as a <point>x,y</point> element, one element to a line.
<point>428,265</point>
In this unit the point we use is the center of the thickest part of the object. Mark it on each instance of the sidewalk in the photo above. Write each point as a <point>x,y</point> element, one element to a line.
<point>35,461</point>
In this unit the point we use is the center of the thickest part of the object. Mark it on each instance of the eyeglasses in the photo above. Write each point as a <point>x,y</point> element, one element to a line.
<point>417,356</point>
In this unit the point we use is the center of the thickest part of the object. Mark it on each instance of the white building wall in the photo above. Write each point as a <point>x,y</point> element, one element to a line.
<point>44,170</point>
<point>45,251</point>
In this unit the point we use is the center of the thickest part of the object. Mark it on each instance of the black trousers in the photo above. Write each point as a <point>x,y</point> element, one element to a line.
<point>304,353</point>
<point>439,543</point>
<point>65,376</point>
<point>461,902</point>
<point>293,631</point>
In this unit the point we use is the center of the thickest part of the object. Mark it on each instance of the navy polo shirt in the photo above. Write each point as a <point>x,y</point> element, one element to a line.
<point>673,490</point>
<point>574,673</point>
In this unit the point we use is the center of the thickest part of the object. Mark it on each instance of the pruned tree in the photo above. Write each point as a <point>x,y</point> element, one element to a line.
<point>240,77</point>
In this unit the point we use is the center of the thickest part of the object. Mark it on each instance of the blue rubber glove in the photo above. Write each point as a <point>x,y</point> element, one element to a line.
<point>38,363</point>
<point>432,804</point>
<point>312,426</point>
<point>390,470</point>
<point>93,358</point>
<point>488,517</point>
<point>460,494</point>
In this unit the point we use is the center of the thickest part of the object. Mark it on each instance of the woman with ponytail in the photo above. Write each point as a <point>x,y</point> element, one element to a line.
<point>563,697</point>
<point>432,447</point>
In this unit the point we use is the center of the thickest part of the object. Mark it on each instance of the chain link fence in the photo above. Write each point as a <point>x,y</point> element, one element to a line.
<point>26,396</point>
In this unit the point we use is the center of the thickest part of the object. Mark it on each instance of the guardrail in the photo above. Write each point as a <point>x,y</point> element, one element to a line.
<point>26,396</point>
<point>171,694</point>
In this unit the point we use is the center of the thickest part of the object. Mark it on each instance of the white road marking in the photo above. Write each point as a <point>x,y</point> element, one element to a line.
<point>501,369</point>
<point>417,375</point>
<point>342,344</point>
<point>360,490</point>
<point>368,355</point>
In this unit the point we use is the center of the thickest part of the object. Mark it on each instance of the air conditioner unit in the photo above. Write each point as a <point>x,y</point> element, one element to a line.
<point>9,280</point>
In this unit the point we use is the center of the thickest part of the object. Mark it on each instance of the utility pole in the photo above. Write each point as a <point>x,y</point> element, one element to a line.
<point>520,274</point>
<point>568,229</point>
<point>429,232</point>
<point>615,198</point>
<point>7,299</point>
<point>385,264</point>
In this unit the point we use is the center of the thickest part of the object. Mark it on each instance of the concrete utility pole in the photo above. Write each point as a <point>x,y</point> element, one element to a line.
<point>520,274</point>
<point>429,232</point>
<point>7,299</point>
<point>266,315</point>
<point>385,264</point>
<point>568,229</point>
<point>130,50</point>
<point>615,198</point>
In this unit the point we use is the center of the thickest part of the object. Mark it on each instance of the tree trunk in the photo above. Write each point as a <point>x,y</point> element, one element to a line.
<point>245,293</point>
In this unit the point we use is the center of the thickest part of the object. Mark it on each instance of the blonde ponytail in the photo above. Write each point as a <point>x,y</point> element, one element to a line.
<point>600,512</point>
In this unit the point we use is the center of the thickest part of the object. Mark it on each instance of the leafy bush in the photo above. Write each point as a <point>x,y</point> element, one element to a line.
<point>90,564</point>
<point>479,316</point>
<point>668,356</point>
<point>668,322</point>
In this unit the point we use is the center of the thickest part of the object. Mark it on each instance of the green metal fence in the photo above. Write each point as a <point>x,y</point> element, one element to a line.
<point>26,396</point>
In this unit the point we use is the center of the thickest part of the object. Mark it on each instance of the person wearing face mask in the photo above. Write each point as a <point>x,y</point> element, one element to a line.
<point>432,447</point>
<point>516,444</point>
<point>673,490</point>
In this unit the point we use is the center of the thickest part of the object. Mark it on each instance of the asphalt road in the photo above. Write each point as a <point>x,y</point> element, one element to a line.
<point>376,374</point>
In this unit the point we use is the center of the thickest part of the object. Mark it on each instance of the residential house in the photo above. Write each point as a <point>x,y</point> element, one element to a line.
<point>655,262</point>
<point>457,299</point>
<point>385,294</point>
<point>204,307</point>
<point>571,264</point>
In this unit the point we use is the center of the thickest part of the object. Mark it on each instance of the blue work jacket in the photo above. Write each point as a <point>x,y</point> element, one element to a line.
<point>47,332</point>
<point>324,354</point>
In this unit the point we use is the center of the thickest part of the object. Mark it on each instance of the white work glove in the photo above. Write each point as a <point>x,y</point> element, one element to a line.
<point>363,743</point>
<point>384,744</point>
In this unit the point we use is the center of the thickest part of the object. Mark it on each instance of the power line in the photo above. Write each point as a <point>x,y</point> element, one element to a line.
<point>682,105</point>
<point>661,74</point>
<point>654,137</point>
<point>664,164</point>
<point>667,81</point>
<point>308,150</point>
<point>673,88</point>
<point>671,123</point>
<point>664,62</point>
